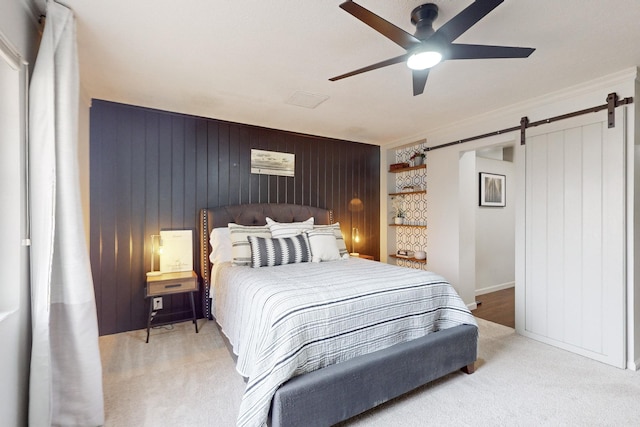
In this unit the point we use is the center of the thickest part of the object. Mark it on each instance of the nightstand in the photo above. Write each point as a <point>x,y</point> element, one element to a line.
<point>365,256</point>
<point>169,284</point>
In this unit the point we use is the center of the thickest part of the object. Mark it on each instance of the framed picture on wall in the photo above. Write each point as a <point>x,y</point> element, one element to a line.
<point>492,190</point>
<point>272,163</point>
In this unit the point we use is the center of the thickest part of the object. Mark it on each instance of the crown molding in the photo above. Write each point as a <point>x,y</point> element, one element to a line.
<point>10,53</point>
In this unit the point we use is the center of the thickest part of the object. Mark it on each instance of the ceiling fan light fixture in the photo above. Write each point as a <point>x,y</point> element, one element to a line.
<point>424,59</point>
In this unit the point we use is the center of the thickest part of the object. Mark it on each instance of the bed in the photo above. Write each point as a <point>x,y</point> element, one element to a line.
<point>320,342</point>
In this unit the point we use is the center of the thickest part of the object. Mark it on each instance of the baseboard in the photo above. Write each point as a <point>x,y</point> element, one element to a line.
<point>472,306</point>
<point>495,288</point>
<point>634,365</point>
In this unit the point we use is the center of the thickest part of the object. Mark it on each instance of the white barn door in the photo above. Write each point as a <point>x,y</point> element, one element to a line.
<point>574,293</point>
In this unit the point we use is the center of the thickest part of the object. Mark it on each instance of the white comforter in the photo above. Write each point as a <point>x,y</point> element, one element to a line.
<point>287,320</point>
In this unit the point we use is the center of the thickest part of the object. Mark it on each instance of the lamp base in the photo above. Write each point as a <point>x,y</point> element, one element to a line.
<point>154,273</point>
<point>356,254</point>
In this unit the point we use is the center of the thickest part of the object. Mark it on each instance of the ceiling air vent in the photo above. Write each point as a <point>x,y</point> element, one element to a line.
<point>306,99</point>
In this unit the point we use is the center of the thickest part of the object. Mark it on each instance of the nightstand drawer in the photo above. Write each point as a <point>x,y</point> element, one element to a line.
<point>171,283</point>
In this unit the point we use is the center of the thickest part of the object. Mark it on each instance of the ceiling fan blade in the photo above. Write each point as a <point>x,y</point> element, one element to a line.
<point>419,81</point>
<point>387,29</point>
<point>391,61</point>
<point>467,18</point>
<point>479,51</point>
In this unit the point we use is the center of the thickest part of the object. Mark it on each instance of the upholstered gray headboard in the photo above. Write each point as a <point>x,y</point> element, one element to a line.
<point>248,214</point>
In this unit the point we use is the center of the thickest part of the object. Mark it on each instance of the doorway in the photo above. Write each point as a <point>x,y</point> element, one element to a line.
<point>14,253</point>
<point>490,229</point>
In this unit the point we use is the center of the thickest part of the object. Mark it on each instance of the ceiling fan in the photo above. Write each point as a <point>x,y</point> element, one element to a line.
<point>427,47</point>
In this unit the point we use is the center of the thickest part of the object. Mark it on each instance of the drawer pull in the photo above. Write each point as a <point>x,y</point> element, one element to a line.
<point>177,285</point>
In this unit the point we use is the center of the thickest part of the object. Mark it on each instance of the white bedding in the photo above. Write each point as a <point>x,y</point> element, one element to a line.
<point>287,320</point>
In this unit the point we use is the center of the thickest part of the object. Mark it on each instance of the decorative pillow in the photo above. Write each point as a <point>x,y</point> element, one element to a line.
<point>342,247</point>
<point>220,240</point>
<point>324,246</point>
<point>288,229</point>
<point>240,248</point>
<point>266,252</point>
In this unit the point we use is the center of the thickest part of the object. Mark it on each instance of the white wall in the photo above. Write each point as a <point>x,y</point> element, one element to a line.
<point>633,245</point>
<point>18,33</point>
<point>468,202</point>
<point>495,232</point>
<point>443,198</point>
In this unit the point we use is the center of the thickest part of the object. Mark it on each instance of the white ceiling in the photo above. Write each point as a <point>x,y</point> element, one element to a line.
<point>241,60</point>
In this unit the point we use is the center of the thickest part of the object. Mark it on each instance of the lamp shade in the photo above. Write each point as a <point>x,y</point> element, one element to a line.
<point>156,251</point>
<point>355,205</point>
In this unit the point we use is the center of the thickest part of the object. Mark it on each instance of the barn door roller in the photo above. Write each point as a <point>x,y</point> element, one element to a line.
<point>612,103</point>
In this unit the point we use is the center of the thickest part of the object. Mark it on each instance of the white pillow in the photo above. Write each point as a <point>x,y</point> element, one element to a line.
<point>342,247</point>
<point>240,248</point>
<point>324,246</point>
<point>288,229</point>
<point>220,240</point>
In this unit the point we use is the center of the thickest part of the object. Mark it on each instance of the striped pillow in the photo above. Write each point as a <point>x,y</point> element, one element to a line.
<point>342,247</point>
<point>288,229</point>
<point>240,248</point>
<point>323,244</point>
<point>267,252</point>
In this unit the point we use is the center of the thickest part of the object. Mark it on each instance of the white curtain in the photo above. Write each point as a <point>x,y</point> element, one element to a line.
<point>66,372</point>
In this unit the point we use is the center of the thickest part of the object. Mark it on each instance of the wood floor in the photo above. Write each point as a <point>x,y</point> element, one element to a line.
<point>498,307</point>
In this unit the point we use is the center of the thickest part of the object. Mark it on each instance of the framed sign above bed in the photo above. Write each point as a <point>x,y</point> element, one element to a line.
<point>272,163</point>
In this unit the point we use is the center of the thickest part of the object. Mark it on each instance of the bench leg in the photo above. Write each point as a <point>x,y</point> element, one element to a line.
<point>470,368</point>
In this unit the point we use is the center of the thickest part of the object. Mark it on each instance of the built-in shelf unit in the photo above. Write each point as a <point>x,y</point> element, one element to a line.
<point>407,187</point>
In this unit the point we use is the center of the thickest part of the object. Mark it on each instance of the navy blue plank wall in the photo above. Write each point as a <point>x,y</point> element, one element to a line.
<point>153,170</point>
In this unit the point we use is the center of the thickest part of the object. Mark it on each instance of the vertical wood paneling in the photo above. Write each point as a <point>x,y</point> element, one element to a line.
<point>592,178</point>
<point>137,225</point>
<point>212,163</point>
<point>223,164</point>
<point>165,172</point>
<point>244,166</point>
<point>234,160</point>
<point>107,225</point>
<point>299,178</point>
<point>536,296</point>
<point>123,220</point>
<point>152,158</point>
<point>614,244</point>
<point>555,226</point>
<point>153,170</point>
<point>95,189</point>
<point>572,256</point>
<point>271,144</point>
<point>202,163</point>
<point>177,172</point>
<point>190,168</point>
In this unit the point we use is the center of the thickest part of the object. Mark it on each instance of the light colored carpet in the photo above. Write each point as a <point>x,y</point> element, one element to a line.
<point>186,379</point>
